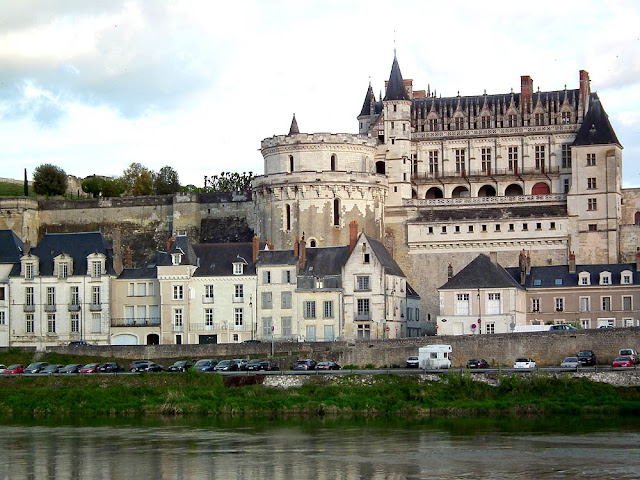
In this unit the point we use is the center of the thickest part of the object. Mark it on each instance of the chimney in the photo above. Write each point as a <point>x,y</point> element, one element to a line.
<point>572,262</point>
<point>449,272</point>
<point>585,90</point>
<point>170,243</point>
<point>522,263</point>
<point>303,253</point>
<point>353,235</point>
<point>526,91</point>
<point>128,258</point>
<point>637,261</point>
<point>117,250</point>
<point>27,246</point>
<point>493,256</point>
<point>528,263</point>
<point>256,247</point>
<point>296,247</point>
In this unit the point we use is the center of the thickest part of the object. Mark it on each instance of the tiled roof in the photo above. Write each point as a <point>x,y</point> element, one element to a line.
<point>481,273</point>
<point>558,276</point>
<point>11,247</point>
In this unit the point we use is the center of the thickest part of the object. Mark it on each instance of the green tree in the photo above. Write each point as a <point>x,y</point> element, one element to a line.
<point>229,182</point>
<point>112,188</point>
<point>166,181</point>
<point>137,180</point>
<point>49,180</point>
<point>93,185</point>
<point>26,184</point>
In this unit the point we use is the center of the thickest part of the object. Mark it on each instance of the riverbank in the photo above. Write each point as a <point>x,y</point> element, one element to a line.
<point>195,393</point>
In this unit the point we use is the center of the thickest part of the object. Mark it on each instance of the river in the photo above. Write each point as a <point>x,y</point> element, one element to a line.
<point>116,448</point>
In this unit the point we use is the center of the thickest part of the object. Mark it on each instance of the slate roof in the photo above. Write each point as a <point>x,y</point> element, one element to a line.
<point>276,257</point>
<point>481,273</point>
<point>77,245</point>
<point>411,292</point>
<point>497,213</point>
<point>547,275</point>
<point>389,264</point>
<point>217,259</point>
<point>596,128</point>
<point>138,273</point>
<point>11,247</point>
<point>181,245</point>
<point>321,261</point>
<point>395,87</point>
<point>370,106</point>
<point>294,130</point>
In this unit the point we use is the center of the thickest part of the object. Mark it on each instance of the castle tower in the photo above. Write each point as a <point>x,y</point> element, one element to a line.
<point>315,185</point>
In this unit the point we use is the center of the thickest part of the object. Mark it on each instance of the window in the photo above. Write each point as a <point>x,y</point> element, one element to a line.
<point>286,276</point>
<point>559,303</point>
<point>460,160</point>
<point>512,120</point>
<point>328,309</point>
<point>458,123</point>
<point>177,317</point>
<point>606,304</point>
<point>29,299</point>
<point>266,277</point>
<point>238,268</point>
<point>365,258</point>
<point>512,227</point>
<point>28,271</point>
<point>592,204</point>
<point>291,163</point>
<point>558,281</point>
<point>266,300</point>
<point>176,258</point>
<point>591,159</point>
<point>585,304</point>
<point>462,304</point>
<point>457,228</point>
<point>178,292</point>
<point>141,289</point>
<point>566,185</point>
<point>566,155</point>
<point>433,124</point>
<point>470,228</point>
<point>605,278</point>
<point>309,309</point>
<point>285,325</point>
<point>513,158</point>
<point>485,156</point>
<point>362,312</point>
<point>51,296</point>
<point>433,162</point>
<point>310,333</point>
<point>537,282</point>
<point>63,270</point>
<point>525,226</point>
<point>490,327</point>
<point>364,331</point>
<point>484,228</point>
<point>95,296</point>
<point>2,295</point>
<point>626,279</point>
<point>267,324</point>
<point>208,317</point>
<point>287,215</point>
<point>30,324</point>
<point>539,119</point>
<point>485,121</point>
<point>332,166</point>
<point>493,304</point>
<point>593,227</point>
<point>75,295</point>
<point>75,323</point>
<point>2,318</point>
<point>285,299</point>
<point>51,323</point>
<point>444,229</point>
<point>591,183</point>
<point>538,226</point>
<point>96,320</point>
<point>552,225</point>
<point>627,302</point>
<point>535,304</point>
<point>362,283</point>
<point>239,292</point>
<point>584,277</point>
<point>336,212</point>
<point>208,293</point>
<point>566,118</point>
<point>239,317</point>
<point>540,156</point>
<point>96,269</point>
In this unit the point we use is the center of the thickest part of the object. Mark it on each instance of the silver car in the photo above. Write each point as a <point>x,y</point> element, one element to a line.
<point>570,362</point>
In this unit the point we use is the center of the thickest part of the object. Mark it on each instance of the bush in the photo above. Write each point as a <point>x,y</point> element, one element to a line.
<point>49,180</point>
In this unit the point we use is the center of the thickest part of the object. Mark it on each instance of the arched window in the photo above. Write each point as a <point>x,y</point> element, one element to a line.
<point>336,213</point>
<point>333,163</point>
<point>291,163</point>
<point>636,218</point>
<point>287,217</point>
<point>313,243</point>
<point>540,188</point>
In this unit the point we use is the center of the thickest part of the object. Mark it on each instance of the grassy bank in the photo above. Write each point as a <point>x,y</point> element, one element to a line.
<point>207,394</point>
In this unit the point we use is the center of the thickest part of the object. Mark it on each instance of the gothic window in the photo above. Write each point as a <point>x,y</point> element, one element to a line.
<point>433,162</point>
<point>458,123</point>
<point>291,163</point>
<point>513,158</point>
<point>566,156</point>
<point>540,156</point>
<point>566,118</point>
<point>636,218</point>
<point>512,120</point>
<point>539,119</point>
<point>486,159</point>
<point>485,121</point>
<point>287,217</point>
<point>433,124</point>
<point>591,159</point>
<point>460,160</point>
<point>336,213</point>
<point>333,163</point>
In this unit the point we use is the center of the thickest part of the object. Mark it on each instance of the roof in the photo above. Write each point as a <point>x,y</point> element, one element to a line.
<point>481,273</point>
<point>293,130</point>
<point>11,247</point>
<point>138,273</point>
<point>217,259</point>
<point>385,259</point>
<point>321,261</point>
<point>411,293</point>
<point>77,245</point>
<point>276,257</point>
<point>596,128</point>
<point>180,245</point>
<point>558,276</point>
<point>370,106</point>
<point>395,88</point>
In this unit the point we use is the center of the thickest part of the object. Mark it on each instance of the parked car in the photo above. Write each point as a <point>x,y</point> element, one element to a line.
<point>586,357</point>
<point>605,326</point>
<point>139,365</point>
<point>51,369</point>
<point>71,368</point>
<point>206,365</point>
<point>412,362</point>
<point>110,368</point>
<point>622,362</point>
<point>570,362</point>
<point>629,352</point>
<point>564,326</point>
<point>305,365</point>
<point>78,343</point>
<point>524,363</point>
<point>35,367</point>
<point>15,369</point>
<point>266,366</point>
<point>180,366</point>
<point>327,366</point>
<point>240,362</point>
<point>252,341</point>
<point>226,366</point>
<point>3,367</point>
<point>153,367</point>
<point>90,368</point>
<point>478,363</point>
<point>250,365</point>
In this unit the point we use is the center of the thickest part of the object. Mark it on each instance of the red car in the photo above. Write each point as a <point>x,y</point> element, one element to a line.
<point>622,362</point>
<point>90,368</point>
<point>13,369</point>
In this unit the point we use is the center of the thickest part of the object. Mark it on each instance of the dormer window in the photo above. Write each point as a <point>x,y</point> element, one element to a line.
<point>584,278</point>
<point>238,268</point>
<point>96,269</point>
<point>63,270</point>
<point>176,258</point>
<point>605,278</point>
<point>626,278</point>
<point>62,266</point>
<point>28,271</point>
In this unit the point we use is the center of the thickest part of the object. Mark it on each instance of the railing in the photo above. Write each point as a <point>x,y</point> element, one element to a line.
<point>204,327</point>
<point>363,316</point>
<point>206,299</point>
<point>497,172</point>
<point>177,328</point>
<point>462,201</point>
<point>95,307</point>
<point>135,322</point>
<point>74,307</point>
<point>238,299</point>
<point>29,308</point>
<point>484,132</point>
<point>50,308</point>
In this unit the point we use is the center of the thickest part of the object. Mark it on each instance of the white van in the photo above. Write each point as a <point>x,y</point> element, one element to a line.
<point>434,356</point>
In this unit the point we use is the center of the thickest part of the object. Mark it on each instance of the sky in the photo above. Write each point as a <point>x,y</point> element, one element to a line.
<point>93,86</point>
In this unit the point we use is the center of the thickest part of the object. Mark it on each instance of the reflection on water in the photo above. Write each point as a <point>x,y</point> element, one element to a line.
<point>374,449</point>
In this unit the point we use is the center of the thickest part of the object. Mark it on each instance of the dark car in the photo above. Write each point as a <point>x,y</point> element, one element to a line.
<point>206,364</point>
<point>327,366</point>
<point>50,369</point>
<point>180,366</point>
<point>71,368</point>
<point>252,341</point>
<point>154,367</point>
<point>139,365</point>
<point>35,367</point>
<point>265,366</point>
<point>586,357</point>
<point>15,369</point>
<point>250,365</point>
<point>226,366</point>
<point>305,365</point>
<point>110,368</point>
<point>90,368</point>
<point>78,343</point>
<point>478,363</point>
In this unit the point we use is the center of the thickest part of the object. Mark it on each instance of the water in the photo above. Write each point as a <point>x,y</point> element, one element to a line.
<point>560,448</point>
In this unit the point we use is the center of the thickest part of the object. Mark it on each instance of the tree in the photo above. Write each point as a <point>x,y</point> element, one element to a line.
<point>166,181</point>
<point>137,180</point>
<point>112,188</point>
<point>49,180</point>
<point>26,184</point>
<point>229,182</point>
<point>93,185</point>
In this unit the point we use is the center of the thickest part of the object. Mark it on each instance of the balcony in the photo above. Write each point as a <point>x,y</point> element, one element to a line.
<point>74,307</point>
<point>50,308</point>
<point>510,200</point>
<point>238,299</point>
<point>178,328</point>
<point>135,322</point>
<point>498,173</point>
<point>206,299</point>
<point>95,307</point>
<point>363,316</point>
<point>203,327</point>
<point>29,308</point>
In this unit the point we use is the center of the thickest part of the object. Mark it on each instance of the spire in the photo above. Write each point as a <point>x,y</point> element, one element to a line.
<point>369,105</point>
<point>596,128</point>
<point>395,87</point>
<point>294,126</point>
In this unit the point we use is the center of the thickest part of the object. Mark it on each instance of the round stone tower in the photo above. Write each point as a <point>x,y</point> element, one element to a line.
<point>315,185</point>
